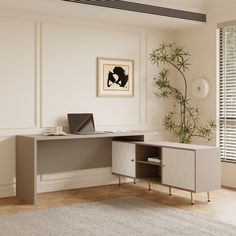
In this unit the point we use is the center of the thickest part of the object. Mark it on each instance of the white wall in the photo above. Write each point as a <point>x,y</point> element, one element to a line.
<point>48,68</point>
<point>202,43</point>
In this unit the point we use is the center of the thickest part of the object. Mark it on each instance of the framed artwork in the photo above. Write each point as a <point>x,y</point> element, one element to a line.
<point>115,77</point>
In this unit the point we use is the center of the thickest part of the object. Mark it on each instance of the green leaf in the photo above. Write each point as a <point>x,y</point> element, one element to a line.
<point>176,56</point>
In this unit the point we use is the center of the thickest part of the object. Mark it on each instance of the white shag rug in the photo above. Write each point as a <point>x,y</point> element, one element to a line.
<point>121,216</point>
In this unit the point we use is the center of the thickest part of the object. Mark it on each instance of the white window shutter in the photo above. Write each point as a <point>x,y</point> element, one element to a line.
<point>227,93</point>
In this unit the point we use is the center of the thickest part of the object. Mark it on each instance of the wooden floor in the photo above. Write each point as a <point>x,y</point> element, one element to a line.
<point>221,207</point>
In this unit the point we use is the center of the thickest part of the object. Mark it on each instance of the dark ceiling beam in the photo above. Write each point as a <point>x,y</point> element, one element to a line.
<point>143,8</point>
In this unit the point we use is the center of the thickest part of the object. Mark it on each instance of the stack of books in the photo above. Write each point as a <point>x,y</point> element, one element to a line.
<point>154,159</point>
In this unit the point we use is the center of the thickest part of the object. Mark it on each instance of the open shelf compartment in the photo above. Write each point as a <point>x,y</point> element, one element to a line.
<point>146,170</point>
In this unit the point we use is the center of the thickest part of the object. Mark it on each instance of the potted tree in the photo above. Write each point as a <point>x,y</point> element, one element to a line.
<point>183,120</point>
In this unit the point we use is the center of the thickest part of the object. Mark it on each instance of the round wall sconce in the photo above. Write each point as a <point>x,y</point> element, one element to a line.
<point>200,88</point>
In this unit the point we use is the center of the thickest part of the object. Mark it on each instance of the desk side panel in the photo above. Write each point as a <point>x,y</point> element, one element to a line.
<point>26,181</point>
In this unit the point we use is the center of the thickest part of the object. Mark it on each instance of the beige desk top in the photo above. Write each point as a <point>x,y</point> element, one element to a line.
<point>39,137</point>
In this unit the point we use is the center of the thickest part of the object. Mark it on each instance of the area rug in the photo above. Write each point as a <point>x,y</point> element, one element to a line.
<point>121,216</point>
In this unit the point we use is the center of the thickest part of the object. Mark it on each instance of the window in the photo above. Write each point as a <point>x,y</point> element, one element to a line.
<point>227,93</point>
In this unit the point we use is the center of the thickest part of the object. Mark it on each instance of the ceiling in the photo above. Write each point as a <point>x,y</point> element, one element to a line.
<point>68,9</point>
<point>195,5</point>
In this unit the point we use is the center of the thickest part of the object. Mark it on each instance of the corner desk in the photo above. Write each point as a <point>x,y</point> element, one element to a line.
<point>38,154</point>
<point>193,168</point>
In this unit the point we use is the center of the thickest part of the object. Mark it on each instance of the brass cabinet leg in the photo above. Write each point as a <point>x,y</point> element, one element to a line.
<point>208,196</point>
<point>119,180</point>
<point>134,180</point>
<point>192,198</point>
<point>150,186</point>
<point>170,191</point>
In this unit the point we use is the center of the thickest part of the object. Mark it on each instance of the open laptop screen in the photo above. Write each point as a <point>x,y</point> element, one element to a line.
<point>81,122</point>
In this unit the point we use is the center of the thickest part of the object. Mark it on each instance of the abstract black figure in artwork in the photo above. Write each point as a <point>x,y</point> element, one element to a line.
<point>117,76</point>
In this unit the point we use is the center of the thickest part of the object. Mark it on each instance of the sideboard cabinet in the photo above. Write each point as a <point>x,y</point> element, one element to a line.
<point>194,168</point>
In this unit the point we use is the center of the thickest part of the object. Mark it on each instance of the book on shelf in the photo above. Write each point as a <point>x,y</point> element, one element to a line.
<point>154,159</point>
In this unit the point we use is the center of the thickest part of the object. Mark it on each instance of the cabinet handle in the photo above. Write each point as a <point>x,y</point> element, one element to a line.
<point>132,159</point>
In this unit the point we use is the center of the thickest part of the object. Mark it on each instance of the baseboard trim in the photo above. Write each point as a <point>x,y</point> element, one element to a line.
<point>76,182</point>
<point>77,179</point>
<point>8,190</point>
<point>68,180</point>
<point>228,187</point>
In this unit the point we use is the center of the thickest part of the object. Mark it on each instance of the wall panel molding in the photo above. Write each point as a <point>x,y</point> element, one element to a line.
<point>138,35</point>
<point>156,107</point>
<point>17,74</point>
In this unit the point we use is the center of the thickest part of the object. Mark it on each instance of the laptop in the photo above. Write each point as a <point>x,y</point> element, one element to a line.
<point>82,123</point>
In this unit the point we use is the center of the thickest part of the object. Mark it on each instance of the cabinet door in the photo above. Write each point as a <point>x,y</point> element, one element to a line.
<point>123,158</point>
<point>178,168</point>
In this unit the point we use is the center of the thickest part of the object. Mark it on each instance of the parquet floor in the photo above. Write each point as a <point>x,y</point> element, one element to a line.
<point>221,207</point>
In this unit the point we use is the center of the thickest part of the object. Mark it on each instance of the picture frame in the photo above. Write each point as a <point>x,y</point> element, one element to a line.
<point>115,77</point>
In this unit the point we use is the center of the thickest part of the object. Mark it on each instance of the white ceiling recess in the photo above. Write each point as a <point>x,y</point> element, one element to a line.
<point>188,5</point>
<point>69,9</point>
